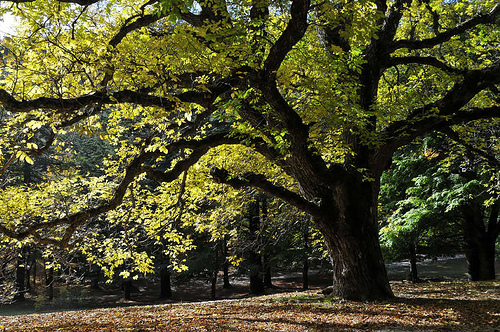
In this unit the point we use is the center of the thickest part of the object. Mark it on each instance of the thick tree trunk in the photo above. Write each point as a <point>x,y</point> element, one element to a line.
<point>350,229</point>
<point>480,243</point>
<point>213,288</point>
<point>480,254</point>
<point>256,284</point>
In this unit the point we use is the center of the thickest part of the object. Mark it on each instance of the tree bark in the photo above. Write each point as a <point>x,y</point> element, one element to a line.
<point>268,278</point>
<point>165,283</point>
<point>480,255</point>
<point>215,272</point>
<point>254,257</point>
<point>49,283</point>
<point>305,264</point>
<point>94,276</point>
<point>480,243</point>
<point>305,274</point>
<point>20,275</point>
<point>225,266</point>
<point>165,275</point>
<point>127,288</point>
<point>350,229</point>
<point>34,272</point>
<point>413,275</point>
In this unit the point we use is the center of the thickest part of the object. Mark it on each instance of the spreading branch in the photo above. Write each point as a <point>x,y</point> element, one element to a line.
<point>260,182</point>
<point>442,37</point>
<point>76,2</point>
<point>490,158</point>
<point>427,60</point>
<point>448,110</point>
<point>134,169</point>
<point>293,33</point>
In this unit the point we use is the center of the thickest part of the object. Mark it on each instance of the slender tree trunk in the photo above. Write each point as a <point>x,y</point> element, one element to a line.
<point>49,283</point>
<point>254,258</point>
<point>266,257</point>
<point>413,275</point>
<point>225,265</point>
<point>127,288</point>
<point>350,229</point>
<point>28,270</point>
<point>20,275</point>
<point>94,276</point>
<point>268,278</point>
<point>215,271</point>
<point>34,273</point>
<point>165,283</point>
<point>305,264</point>
<point>305,274</point>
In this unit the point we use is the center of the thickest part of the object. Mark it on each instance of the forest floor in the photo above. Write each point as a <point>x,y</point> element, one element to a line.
<point>445,301</point>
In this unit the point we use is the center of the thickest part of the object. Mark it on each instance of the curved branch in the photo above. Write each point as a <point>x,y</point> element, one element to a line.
<point>491,159</point>
<point>403,132</point>
<point>134,169</point>
<point>449,106</point>
<point>199,147</point>
<point>137,24</point>
<point>260,182</point>
<point>442,113</point>
<point>448,34</point>
<point>76,2</point>
<point>391,21</point>
<point>474,113</point>
<point>66,105</point>
<point>431,61</point>
<point>77,219</point>
<point>293,33</point>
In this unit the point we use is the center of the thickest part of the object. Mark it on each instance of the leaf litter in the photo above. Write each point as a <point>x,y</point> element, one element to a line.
<point>438,306</point>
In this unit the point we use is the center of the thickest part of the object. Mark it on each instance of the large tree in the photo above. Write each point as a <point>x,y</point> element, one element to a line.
<point>312,98</point>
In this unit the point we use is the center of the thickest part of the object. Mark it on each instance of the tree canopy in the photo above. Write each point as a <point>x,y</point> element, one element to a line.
<point>304,100</point>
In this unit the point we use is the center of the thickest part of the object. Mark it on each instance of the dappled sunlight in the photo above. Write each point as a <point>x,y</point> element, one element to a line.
<point>448,306</point>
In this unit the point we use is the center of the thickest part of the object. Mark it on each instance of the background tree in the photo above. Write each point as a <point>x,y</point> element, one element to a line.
<point>415,221</point>
<point>454,199</point>
<point>195,76</point>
